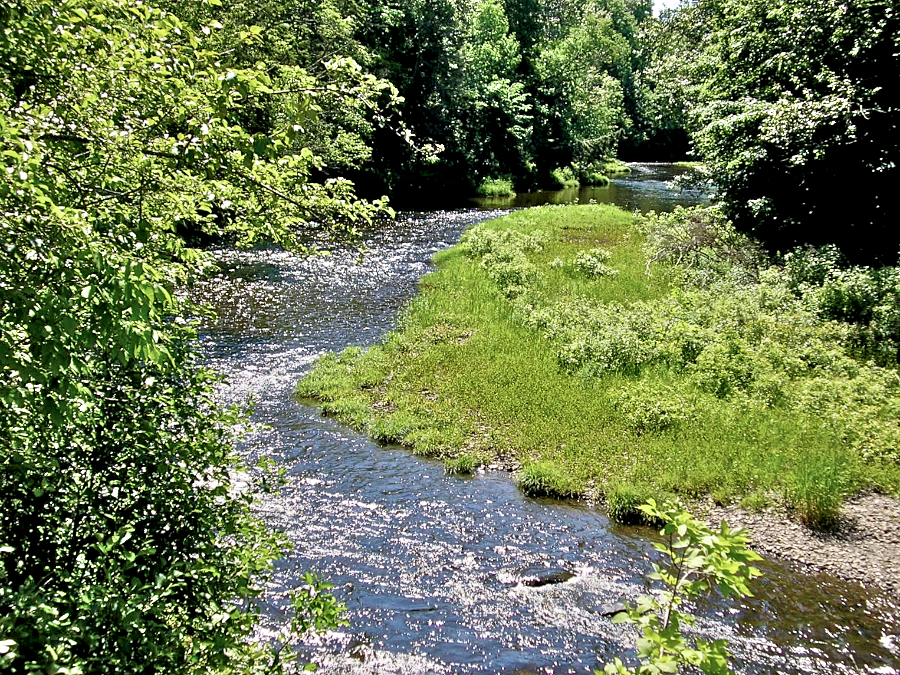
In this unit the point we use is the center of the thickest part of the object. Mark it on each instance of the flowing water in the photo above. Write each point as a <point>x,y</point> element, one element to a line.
<point>436,570</point>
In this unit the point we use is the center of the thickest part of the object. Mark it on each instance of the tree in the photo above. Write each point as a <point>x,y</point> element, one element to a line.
<point>800,102</point>
<point>582,99</point>
<point>494,110</point>
<point>126,545</point>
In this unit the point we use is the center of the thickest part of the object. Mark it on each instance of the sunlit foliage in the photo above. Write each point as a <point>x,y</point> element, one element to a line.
<point>127,543</point>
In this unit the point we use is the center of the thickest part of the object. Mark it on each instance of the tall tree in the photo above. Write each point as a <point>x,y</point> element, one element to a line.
<point>582,100</point>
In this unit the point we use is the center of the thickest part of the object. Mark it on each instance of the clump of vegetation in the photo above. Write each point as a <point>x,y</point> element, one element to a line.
<point>593,178</point>
<point>610,167</point>
<point>816,488</point>
<point>546,479</point>
<point>593,263</point>
<point>756,501</point>
<point>503,255</point>
<point>701,241</point>
<point>465,463</point>
<point>698,560</point>
<point>496,187</point>
<point>624,502</point>
<point>565,177</point>
<point>648,411</point>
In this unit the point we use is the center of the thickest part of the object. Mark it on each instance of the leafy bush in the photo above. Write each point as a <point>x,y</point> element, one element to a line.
<point>593,263</point>
<point>593,178</point>
<point>866,298</point>
<point>480,240</point>
<point>596,338</point>
<point>698,560</point>
<point>503,256</point>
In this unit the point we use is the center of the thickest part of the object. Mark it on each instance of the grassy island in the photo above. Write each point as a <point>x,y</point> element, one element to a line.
<point>618,358</point>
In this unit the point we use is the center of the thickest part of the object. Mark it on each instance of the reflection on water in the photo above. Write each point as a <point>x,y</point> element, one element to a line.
<point>647,188</point>
<point>431,566</point>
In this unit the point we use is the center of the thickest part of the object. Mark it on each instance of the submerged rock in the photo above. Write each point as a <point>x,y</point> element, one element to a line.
<point>536,576</point>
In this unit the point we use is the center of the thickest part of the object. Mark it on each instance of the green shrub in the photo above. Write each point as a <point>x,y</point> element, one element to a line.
<point>496,187</point>
<point>546,479</point>
<point>564,177</point>
<point>696,559</point>
<point>609,166</point>
<point>481,240</point>
<point>503,256</point>
<point>594,178</point>
<point>593,263</point>
<point>867,299</point>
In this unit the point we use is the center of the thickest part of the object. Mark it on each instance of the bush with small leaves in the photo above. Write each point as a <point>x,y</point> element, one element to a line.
<point>698,559</point>
<point>502,255</point>
<point>593,263</point>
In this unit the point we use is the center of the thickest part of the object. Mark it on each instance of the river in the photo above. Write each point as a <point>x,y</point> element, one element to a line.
<point>432,566</point>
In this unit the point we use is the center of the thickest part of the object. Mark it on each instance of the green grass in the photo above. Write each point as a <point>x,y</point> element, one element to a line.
<point>465,377</point>
<point>564,177</point>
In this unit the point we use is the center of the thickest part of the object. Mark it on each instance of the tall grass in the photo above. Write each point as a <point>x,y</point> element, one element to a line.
<point>470,372</point>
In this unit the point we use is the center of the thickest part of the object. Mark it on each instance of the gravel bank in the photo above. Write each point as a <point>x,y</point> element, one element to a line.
<point>864,548</point>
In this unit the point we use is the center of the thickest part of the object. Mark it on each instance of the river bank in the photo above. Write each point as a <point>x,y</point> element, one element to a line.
<point>863,548</point>
<point>540,341</point>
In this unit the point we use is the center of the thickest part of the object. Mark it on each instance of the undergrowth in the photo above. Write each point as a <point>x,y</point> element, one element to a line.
<point>667,353</point>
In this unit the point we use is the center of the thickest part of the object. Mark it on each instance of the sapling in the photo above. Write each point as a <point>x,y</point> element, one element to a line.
<point>699,559</point>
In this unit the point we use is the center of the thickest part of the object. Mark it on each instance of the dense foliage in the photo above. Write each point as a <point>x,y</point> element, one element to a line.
<point>787,101</point>
<point>127,543</point>
<point>495,89</point>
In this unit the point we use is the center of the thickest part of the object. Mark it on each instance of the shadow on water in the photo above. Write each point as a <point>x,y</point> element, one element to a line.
<point>435,569</point>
